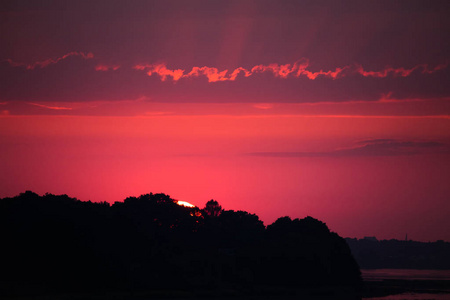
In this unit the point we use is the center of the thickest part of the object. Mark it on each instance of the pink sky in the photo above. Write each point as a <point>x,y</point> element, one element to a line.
<point>337,111</point>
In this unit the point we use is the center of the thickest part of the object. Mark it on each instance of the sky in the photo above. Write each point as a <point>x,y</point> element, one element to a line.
<point>339,110</point>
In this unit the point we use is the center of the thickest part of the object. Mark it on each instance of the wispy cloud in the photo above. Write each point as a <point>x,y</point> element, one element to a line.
<point>101,67</point>
<point>402,72</point>
<point>51,107</point>
<point>374,147</point>
<point>213,74</point>
<point>391,147</point>
<point>50,61</point>
<point>297,69</point>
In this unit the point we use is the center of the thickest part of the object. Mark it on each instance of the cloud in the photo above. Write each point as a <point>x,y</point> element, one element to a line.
<point>399,71</point>
<point>297,69</point>
<point>374,147</point>
<point>50,61</point>
<point>213,74</point>
<point>51,107</point>
<point>283,71</point>
<point>81,79</point>
<point>161,70</point>
<point>101,67</point>
<point>389,147</point>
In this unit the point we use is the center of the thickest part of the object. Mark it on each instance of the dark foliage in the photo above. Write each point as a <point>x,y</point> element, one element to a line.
<point>56,244</point>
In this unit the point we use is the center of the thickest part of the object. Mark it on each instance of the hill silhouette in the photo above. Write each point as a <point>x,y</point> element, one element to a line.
<point>57,244</point>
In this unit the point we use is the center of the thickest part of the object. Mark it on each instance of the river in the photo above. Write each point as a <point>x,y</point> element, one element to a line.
<point>402,275</point>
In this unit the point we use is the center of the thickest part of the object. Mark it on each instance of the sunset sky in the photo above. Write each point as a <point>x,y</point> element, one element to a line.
<point>339,110</point>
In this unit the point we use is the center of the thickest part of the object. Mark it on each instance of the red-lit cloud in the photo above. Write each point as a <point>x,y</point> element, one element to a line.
<point>297,69</point>
<point>213,74</point>
<point>91,79</point>
<point>101,67</point>
<point>51,107</point>
<point>399,71</point>
<point>50,61</point>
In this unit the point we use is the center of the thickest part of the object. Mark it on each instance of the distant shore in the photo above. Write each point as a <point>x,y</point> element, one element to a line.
<point>371,253</point>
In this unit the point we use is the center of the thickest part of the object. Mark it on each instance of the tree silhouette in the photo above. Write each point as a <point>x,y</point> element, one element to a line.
<point>151,243</point>
<point>212,208</point>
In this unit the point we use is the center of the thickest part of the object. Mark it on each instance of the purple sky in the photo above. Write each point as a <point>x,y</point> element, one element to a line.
<point>335,109</point>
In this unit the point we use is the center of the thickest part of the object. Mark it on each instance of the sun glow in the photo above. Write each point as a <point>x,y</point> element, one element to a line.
<point>184,203</point>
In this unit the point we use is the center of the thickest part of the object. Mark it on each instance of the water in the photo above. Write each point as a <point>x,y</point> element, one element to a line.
<point>405,274</point>
<point>414,296</point>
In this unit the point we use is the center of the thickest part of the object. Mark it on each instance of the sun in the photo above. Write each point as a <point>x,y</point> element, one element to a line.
<point>184,203</point>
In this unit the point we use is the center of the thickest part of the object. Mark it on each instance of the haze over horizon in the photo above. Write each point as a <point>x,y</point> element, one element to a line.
<point>339,111</point>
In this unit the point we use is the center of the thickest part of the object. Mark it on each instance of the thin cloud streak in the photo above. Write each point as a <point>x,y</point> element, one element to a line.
<point>402,72</point>
<point>296,70</point>
<point>375,147</point>
<point>369,116</point>
<point>263,116</point>
<point>383,100</point>
<point>50,61</point>
<point>51,107</point>
<point>101,67</point>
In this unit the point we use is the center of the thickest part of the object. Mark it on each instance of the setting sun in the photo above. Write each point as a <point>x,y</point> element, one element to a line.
<point>184,203</point>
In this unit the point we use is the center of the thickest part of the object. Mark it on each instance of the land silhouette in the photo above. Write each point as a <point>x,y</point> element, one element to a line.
<point>371,253</point>
<point>149,245</point>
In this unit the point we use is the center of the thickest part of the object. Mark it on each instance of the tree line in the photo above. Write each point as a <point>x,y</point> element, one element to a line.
<point>400,254</point>
<point>57,244</point>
